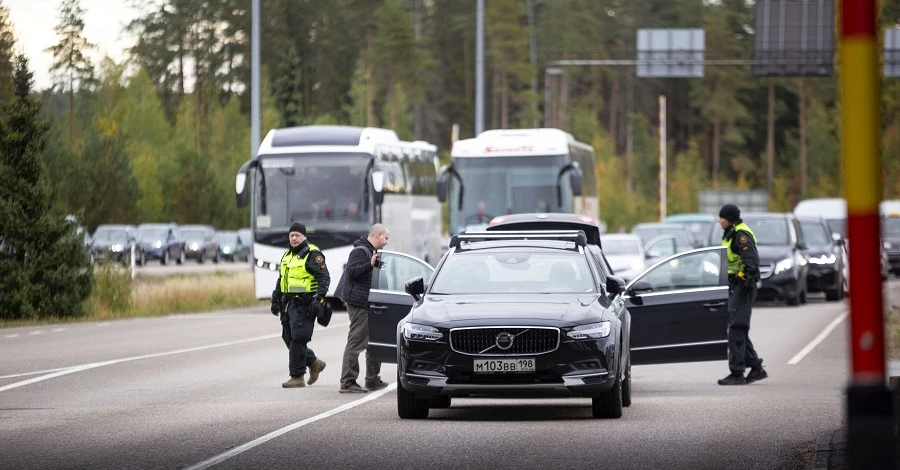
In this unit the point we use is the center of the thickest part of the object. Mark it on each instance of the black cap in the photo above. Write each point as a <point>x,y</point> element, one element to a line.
<point>298,227</point>
<point>730,212</point>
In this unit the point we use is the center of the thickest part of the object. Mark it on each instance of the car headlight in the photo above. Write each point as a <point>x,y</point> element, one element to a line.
<point>421,332</point>
<point>590,331</point>
<point>226,250</point>
<point>116,247</point>
<point>266,265</point>
<point>887,245</point>
<point>784,265</point>
<point>194,246</point>
<point>158,244</point>
<point>636,265</point>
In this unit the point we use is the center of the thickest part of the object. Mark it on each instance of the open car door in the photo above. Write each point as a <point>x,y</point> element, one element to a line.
<point>389,302</point>
<point>679,309</point>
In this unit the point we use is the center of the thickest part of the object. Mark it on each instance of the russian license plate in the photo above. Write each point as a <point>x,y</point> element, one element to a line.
<point>503,366</point>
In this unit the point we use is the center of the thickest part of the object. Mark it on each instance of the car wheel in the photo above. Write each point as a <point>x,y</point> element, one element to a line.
<point>181,258</point>
<point>439,401</point>
<point>216,259</point>
<point>408,405</point>
<point>795,300</point>
<point>608,405</point>
<point>803,296</point>
<point>165,258</point>
<point>626,385</point>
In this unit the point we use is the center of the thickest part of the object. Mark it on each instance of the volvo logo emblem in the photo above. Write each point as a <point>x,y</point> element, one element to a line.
<point>504,340</point>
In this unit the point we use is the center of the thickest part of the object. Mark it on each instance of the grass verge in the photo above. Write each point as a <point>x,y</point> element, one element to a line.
<point>116,296</point>
<point>892,333</point>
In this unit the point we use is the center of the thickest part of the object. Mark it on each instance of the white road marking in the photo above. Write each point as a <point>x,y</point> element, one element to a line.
<point>53,373</point>
<point>818,339</point>
<point>11,336</point>
<point>24,374</point>
<point>35,332</point>
<point>274,434</point>
<point>57,330</point>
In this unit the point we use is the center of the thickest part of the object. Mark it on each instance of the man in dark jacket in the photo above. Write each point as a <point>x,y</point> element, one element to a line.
<point>299,297</point>
<point>354,291</point>
<point>743,273</point>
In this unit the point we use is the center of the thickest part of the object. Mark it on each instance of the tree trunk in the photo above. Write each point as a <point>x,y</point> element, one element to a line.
<point>629,156</point>
<point>495,101</point>
<point>801,116</point>
<point>392,99</point>
<point>504,102</point>
<point>717,139</point>
<point>71,112</point>
<point>770,140</point>
<point>370,86</point>
<point>532,46</point>
<point>563,101</point>
<point>614,113</point>
<point>419,110</point>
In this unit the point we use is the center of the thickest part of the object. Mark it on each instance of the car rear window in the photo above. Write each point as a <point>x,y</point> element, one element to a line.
<point>505,271</point>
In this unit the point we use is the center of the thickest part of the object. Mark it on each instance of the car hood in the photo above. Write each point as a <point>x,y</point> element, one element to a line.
<point>819,250</point>
<point>773,253</point>
<point>623,262</point>
<point>555,308</point>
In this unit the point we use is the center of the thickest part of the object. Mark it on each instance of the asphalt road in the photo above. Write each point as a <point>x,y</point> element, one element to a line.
<point>204,390</point>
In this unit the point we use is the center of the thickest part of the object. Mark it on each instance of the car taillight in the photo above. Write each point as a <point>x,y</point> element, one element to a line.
<point>496,220</point>
<point>587,220</point>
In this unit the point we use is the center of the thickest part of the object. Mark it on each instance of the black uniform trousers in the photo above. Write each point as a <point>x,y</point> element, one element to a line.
<point>297,325</point>
<point>741,353</point>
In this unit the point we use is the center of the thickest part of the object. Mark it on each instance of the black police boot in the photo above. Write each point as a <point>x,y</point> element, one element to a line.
<point>733,379</point>
<point>756,374</point>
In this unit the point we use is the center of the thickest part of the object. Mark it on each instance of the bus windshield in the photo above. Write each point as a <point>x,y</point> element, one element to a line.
<point>495,186</point>
<point>322,191</point>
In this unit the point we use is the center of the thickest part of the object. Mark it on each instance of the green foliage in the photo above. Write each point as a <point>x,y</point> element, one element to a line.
<point>7,45</point>
<point>43,267</point>
<point>112,288</point>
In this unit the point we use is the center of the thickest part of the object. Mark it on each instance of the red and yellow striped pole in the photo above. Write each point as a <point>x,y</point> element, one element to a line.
<point>869,406</point>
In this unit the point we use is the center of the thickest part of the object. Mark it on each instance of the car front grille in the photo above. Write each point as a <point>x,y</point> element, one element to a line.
<point>765,270</point>
<point>483,341</point>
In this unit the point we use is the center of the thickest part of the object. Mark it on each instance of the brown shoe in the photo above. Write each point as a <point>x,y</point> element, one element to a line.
<point>314,369</point>
<point>294,382</point>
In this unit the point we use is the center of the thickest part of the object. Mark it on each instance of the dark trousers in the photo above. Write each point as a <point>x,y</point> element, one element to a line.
<point>357,342</point>
<point>296,331</point>
<point>741,353</point>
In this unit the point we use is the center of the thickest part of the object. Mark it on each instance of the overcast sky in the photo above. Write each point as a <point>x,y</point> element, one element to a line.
<point>34,21</point>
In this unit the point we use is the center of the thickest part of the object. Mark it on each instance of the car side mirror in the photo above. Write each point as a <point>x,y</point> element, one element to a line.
<point>615,285</point>
<point>415,287</point>
<point>640,287</point>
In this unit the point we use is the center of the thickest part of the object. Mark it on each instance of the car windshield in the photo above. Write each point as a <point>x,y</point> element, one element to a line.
<point>838,226</point>
<point>648,233</point>
<point>768,231</point>
<point>890,227</point>
<point>193,234</point>
<point>110,235</point>
<point>505,271</point>
<point>153,234</point>
<point>228,238</point>
<point>815,233</point>
<point>621,247</point>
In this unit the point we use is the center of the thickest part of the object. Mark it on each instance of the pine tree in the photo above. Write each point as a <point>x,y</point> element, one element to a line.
<point>7,42</point>
<point>44,271</point>
<point>70,66</point>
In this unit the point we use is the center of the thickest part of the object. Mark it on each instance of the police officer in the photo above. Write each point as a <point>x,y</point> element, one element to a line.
<point>299,297</point>
<point>743,273</point>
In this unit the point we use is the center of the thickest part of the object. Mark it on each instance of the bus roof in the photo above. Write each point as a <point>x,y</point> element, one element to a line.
<point>515,142</point>
<point>333,139</point>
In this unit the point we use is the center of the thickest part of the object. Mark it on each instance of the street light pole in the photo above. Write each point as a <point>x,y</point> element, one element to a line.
<point>254,80</point>
<point>479,68</point>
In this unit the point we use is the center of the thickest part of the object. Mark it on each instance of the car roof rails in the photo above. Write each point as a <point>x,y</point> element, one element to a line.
<point>576,236</point>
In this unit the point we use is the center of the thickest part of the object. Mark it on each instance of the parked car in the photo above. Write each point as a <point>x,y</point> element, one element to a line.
<point>684,239</point>
<point>201,242</point>
<point>826,258</point>
<point>890,234</point>
<point>231,247</point>
<point>162,242</point>
<point>699,224</point>
<point>532,312</point>
<point>625,253</point>
<point>114,242</point>
<point>783,255</point>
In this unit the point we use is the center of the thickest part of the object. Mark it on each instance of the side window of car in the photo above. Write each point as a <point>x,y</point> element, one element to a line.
<point>662,247</point>
<point>396,270</point>
<point>689,271</point>
<point>600,264</point>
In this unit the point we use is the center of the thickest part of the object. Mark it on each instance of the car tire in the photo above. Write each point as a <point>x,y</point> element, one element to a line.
<point>216,259</point>
<point>165,258</point>
<point>181,258</point>
<point>409,406</point>
<point>836,294</point>
<point>608,405</point>
<point>626,385</point>
<point>439,401</point>
<point>803,298</point>
<point>794,301</point>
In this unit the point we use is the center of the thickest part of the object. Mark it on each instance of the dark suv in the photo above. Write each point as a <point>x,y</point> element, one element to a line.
<point>162,242</point>
<point>525,313</point>
<point>826,258</point>
<point>201,242</point>
<point>114,243</point>
<point>783,256</point>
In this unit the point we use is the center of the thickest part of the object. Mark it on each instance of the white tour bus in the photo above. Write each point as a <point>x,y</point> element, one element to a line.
<point>508,171</point>
<point>338,181</point>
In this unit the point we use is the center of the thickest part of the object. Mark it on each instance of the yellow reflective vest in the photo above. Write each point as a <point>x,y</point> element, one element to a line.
<point>295,279</point>
<point>735,263</point>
